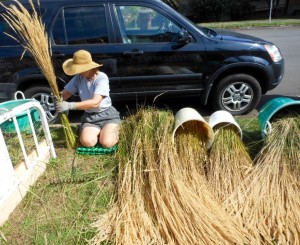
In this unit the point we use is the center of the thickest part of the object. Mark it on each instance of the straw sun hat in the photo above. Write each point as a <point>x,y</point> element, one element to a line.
<point>81,62</point>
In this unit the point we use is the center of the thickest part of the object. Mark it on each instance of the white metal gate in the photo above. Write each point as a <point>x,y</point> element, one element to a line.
<point>15,182</point>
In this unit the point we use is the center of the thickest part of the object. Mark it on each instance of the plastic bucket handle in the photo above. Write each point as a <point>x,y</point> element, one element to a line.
<point>21,93</point>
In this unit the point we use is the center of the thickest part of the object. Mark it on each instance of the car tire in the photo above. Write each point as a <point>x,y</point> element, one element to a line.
<point>43,94</point>
<point>238,94</point>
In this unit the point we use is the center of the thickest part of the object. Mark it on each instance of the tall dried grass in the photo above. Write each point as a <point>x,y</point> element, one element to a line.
<point>30,33</point>
<point>128,220</point>
<point>229,161</point>
<point>191,148</point>
<point>156,201</point>
<point>292,144</point>
<point>268,199</point>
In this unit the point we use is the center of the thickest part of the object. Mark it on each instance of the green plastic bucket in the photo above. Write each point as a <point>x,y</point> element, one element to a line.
<point>273,109</point>
<point>22,118</point>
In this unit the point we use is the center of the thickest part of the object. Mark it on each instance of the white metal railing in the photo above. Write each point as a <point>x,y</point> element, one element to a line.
<point>9,180</point>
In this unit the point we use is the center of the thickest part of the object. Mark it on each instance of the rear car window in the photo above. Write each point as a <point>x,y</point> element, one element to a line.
<point>80,25</point>
<point>6,40</point>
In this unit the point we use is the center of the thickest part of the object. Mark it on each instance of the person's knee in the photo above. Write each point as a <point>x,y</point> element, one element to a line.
<point>108,143</point>
<point>89,136</point>
<point>88,142</point>
<point>109,136</point>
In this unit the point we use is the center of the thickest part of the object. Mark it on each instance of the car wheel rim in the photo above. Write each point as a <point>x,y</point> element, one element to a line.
<point>237,96</point>
<point>47,104</point>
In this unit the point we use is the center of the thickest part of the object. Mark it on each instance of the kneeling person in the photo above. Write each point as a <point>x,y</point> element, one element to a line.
<point>100,121</point>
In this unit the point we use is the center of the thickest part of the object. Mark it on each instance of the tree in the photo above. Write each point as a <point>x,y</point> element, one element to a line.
<point>211,10</point>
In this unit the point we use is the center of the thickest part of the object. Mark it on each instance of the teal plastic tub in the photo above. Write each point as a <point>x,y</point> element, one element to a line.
<point>22,118</point>
<point>275,108</point>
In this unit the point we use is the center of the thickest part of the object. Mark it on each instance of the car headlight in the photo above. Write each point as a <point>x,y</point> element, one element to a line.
<point>273,52</point>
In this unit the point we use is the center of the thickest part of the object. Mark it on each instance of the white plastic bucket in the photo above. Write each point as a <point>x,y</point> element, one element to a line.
<point>190,114</point>
<point>224,118</point>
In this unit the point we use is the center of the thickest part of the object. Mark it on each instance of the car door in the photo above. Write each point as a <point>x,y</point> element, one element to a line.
<point>150,59</point>
<point>85,26</point>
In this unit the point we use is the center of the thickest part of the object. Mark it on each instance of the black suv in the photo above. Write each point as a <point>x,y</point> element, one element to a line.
<point>148,49</point>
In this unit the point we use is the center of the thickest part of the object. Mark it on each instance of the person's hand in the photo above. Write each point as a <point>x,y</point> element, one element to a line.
<point>54,99</point>
<point>64,106</point>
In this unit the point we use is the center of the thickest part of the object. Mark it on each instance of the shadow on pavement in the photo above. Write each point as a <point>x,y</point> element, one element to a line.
<point>174,105</point>
<point>127,108</point>
<point>267,98</point>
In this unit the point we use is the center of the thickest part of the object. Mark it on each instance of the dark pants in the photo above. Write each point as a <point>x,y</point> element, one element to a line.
<point>100,119</point>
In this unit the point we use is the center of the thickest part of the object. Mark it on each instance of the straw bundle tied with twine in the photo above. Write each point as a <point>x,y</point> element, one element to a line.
<point>229,161</point>
<point>268,199</point>
<point>30,33</point>
<point>156,200</point>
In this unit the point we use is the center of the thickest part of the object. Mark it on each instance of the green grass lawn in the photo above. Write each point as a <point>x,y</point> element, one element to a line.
<point>252,23</point>
<point>73,191</point>
<point>64,201</point>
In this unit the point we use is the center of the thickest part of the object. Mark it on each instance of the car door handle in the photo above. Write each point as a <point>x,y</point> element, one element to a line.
<point>58,55</point>
<point>133,53</point>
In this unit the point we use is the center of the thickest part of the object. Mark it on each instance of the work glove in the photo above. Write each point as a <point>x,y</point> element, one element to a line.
<point>64,106</point>
<point>54,99</point>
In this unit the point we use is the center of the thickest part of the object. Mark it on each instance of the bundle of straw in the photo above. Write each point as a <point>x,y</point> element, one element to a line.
<point>30,33</point>
<point>156,201</point>
<point>292,144</point>
<point>229,161</point>
<point>191,146</point>
<point>190,142</point>
<point>268,199</point>
<point>128,220</point>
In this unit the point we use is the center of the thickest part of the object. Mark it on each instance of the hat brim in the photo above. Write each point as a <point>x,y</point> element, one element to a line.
<point>72,69</point>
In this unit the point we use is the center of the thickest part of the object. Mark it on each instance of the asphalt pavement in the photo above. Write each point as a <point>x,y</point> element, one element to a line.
<point>288,40</point>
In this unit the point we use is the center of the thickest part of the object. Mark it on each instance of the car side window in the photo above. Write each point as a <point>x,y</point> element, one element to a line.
<point>80,25</point>
<point>145,25</point>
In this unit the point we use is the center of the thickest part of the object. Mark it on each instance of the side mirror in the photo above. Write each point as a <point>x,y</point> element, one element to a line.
<point>184,37</point>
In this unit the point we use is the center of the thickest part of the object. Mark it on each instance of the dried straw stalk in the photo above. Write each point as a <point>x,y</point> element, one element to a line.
<point>190,142</point>
<point>292,145</point>
<point>267,200</point>
<point>192,134</point>
<point>229,161</point>
<point>30,33</point>
<point>156,202</point>
<point>128,220</point>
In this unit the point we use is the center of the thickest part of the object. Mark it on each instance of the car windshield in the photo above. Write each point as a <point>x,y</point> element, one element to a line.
<point>208,32</point>
<point>205,31</point>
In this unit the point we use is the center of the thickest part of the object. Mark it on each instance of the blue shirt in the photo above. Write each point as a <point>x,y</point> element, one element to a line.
<point>87,89</point>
